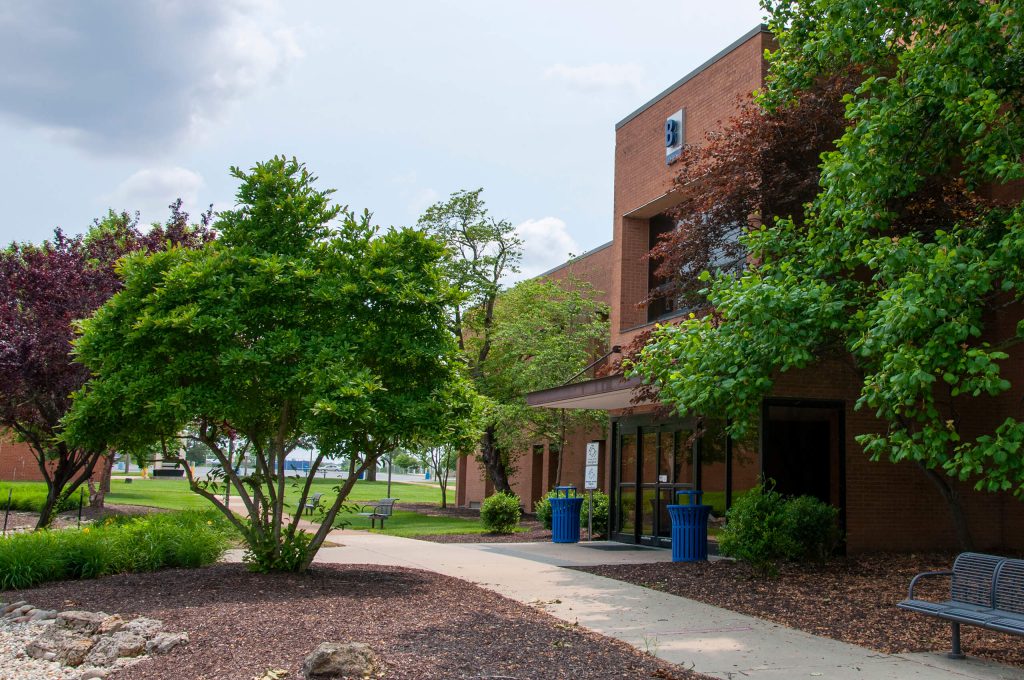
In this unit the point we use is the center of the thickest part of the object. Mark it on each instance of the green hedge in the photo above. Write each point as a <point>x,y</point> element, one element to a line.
<point>542,508</point>
<point>31,497</point>
<point>118,545</point>
<point>500,513</point>
<point>763,527</point>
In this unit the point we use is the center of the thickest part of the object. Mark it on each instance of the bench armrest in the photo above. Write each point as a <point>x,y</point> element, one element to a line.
<point>927,574</point>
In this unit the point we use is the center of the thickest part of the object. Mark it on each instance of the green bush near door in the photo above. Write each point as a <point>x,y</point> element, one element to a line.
<point>542,508</point>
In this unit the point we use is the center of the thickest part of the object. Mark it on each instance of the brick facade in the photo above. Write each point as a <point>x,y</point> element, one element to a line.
<point>17,464</point>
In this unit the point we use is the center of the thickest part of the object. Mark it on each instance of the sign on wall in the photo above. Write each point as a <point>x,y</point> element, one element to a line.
<point>675,133</point>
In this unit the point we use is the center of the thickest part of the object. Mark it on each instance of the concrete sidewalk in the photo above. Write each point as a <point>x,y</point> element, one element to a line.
<point>694,635</point>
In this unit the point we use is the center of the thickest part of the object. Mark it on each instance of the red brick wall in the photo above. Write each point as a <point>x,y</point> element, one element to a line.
<point>710,98</point>
<point>594,268</point>
<point>17,462</point>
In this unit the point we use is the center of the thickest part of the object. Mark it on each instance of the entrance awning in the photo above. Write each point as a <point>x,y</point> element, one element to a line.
<point>603,394</point>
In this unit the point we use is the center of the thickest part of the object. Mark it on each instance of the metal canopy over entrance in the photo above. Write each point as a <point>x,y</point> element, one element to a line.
<point>603,394</point>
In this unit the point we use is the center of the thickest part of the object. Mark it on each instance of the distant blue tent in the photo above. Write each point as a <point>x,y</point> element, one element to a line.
<point>297,465</point>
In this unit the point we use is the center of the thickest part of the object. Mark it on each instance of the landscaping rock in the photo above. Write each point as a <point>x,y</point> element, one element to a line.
<point>40,615</point>
<point>335,660</point>
<point>110,648</point>
<point>165,642</point>
<point>111,624</point>
<point>12,606</point>
<point>147,628</point>
<point>64,645</point>
<point>83,622</point>
<point>94,674</point>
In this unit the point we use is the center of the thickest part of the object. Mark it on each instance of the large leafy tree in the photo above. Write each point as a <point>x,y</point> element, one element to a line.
<point>44,288</point>
<point>481,252</point>
<point>908,262</point>
<point>301,325</point>
<point>546,333</point>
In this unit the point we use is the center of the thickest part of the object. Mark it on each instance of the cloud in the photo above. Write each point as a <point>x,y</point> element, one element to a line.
<point>546,244</point>
<point>151,190</point>
<point>135,76</point>
<point>597,76</point>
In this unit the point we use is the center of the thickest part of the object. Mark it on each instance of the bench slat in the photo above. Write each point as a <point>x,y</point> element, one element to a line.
<point>973,577</point>
<point>1009,587</point>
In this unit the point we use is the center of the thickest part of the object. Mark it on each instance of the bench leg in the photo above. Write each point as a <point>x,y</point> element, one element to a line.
<point>956,653</point>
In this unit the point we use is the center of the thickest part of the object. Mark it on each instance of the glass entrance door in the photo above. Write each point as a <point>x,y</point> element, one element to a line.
<point>653,463</point>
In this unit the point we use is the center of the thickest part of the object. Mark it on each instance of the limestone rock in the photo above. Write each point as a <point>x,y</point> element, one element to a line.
<point>147,628</point>
<point>333,660</point>
<point>111,624</point>
<point>66,646</point>
<point>94,674</point>
<point>42,615</point>
<point>110,648</point>
<point>83,622</point>
<point>165,642</point>
<point>12,606</point>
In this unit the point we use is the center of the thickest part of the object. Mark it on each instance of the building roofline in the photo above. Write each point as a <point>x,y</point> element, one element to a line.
<point>760,28</point>
<point>575,259</point>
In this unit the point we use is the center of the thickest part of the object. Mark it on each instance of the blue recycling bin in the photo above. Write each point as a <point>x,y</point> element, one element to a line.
<point>690,528</point>
<point>565,515</point>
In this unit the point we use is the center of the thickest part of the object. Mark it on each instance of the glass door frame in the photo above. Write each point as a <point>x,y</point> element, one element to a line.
<point>638,427</point>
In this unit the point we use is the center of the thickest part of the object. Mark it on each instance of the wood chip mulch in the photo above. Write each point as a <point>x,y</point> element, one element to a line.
<point>420,624</point>
<point>851,599</point>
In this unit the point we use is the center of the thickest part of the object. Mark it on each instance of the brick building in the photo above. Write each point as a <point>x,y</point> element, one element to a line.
<point>806,439</point>
<point>17,464</point>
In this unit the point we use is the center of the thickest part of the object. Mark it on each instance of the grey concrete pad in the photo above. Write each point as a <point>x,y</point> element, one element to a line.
<point>711,640</point>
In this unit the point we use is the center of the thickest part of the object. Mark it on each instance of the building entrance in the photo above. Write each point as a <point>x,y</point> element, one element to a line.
<point>652,462</point>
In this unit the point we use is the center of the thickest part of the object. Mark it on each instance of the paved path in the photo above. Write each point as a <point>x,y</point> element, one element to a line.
<point>708,639</point>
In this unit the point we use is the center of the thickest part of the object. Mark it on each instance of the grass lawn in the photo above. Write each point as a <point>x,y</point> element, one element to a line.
<point>411,524</point>
<point>175,494</point>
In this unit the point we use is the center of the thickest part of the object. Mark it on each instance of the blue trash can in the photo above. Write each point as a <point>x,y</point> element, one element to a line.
<point>565,515</point>
<point>690,529</point>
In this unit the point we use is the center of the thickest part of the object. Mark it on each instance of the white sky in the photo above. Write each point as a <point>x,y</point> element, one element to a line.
<point>129,104</point>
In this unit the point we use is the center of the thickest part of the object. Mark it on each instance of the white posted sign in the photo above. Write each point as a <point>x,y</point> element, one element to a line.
<point>590,471</point>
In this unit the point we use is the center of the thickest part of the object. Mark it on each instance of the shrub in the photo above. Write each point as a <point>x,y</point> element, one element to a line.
<point>542,508</point>
<point>762,527</point>
<point>117,545</point>
<point>812,528</point>
<point>500,513</point>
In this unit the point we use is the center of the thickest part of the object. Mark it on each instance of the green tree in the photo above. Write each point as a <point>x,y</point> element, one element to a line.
<point>546,333</point>
<point>905,263</point>
<point>481,252</point>
<point>301,326</point>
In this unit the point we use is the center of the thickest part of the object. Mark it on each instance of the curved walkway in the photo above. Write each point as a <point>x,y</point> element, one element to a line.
<point>708,639</point>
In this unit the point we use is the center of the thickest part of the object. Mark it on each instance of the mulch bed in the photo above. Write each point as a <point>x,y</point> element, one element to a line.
<point>421,625</point>
<point>18,520</point>
<point>852,599</point>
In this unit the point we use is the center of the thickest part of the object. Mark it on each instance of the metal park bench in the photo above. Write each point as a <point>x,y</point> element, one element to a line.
<point>986,591</point>
<point>381,511</point>
<point>313,504</point>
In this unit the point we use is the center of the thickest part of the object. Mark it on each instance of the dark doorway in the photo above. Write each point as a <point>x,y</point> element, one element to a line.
<point>802,450</point>
<point>796,457</point>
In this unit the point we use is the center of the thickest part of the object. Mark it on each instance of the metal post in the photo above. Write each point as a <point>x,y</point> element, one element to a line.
<point>390,456</point>
<point>81,498</point>
<point>956,653</point>
<point>8,511</point>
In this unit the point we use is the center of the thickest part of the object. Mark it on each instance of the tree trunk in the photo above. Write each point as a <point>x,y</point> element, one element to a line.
<point>98,492</point>
<point>371,473</point>
<point>955,505</point>
<point>561,447</point>
<point>108,470</point>
<point>492,462</point>
<point>46,514</point>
